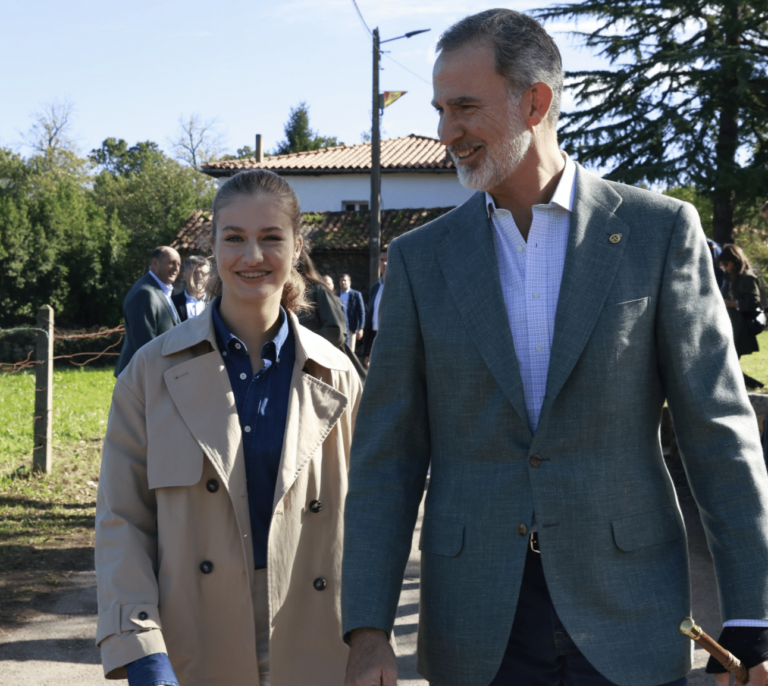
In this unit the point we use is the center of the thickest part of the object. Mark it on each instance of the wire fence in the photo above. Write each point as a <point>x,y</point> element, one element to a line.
<point>73,358</point>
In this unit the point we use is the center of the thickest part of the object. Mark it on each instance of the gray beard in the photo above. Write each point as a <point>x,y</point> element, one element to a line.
<point>502,158</point>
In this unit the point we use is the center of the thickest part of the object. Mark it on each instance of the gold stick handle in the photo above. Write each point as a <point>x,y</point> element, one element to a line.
<point>724,657</point>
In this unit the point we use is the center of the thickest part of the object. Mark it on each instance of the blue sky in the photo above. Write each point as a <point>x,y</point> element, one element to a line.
<point>131,69</point>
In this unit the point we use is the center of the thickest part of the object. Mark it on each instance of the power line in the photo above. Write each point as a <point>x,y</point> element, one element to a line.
<point>360,14</point>
<point>421,78</point>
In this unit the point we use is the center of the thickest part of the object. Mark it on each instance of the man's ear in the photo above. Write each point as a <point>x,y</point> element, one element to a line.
<point>538,100</point>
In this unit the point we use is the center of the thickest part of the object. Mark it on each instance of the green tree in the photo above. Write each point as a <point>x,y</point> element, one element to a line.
<point>299,137</point>
<point>151,195</point>
<point>686,102</point>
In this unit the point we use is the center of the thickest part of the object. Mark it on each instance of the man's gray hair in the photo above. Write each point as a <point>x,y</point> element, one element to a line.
<point>524,52</point>
<point>194,261</point>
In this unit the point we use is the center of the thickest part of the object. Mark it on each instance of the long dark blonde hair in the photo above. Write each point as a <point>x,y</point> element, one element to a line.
<point>733,253</point>
<point>251,183</point>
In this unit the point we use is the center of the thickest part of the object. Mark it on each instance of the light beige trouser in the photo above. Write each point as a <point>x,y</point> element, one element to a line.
<point>260,597</point>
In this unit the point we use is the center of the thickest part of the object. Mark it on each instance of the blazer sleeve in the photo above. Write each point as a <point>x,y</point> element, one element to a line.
<point>714,422</point>
<point>333,323</point>
<point>390,459</point>
<point>361,312</point>
<point>141,313</point>
<point>126,540</point>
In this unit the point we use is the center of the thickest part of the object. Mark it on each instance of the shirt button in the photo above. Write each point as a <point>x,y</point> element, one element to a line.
<point>243,376</point>
<point>238,346</point>
<point>520,248</point>
<point>539,347</point>
<point>247,429</point>
<point>223,353</point>
<point>535,295</point>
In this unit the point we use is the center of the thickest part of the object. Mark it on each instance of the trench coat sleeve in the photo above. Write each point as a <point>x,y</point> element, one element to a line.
<point>389,463</point>
<point>714,421</point>
<point>126,539</point>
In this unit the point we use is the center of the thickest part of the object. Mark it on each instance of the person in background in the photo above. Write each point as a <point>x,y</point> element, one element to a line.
<point>147,309</point>
<point>372,314</point>
<point>741,291</point>
<point>715,249</point>
<point>328,281</point>
<point>224,472</point>
<point>354,310</point>
<point>325,316</point>
<point>191,301</point>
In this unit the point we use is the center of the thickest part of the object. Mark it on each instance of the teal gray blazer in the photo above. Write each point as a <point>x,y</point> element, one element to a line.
<point>638,322</point>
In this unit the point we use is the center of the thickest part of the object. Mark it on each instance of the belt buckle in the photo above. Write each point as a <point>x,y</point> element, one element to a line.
<point>533,542</point>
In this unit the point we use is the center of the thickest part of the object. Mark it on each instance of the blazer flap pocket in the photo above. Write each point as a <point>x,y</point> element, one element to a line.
<point>646,528</point>
<point>441,537</point>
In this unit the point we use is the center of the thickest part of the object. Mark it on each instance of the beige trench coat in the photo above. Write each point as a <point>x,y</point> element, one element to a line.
<point>173,436</point>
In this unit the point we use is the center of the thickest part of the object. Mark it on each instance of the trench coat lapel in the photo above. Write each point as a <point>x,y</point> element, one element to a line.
<point>314,407</point>
<point>591,264</point>
<point>467,254</point>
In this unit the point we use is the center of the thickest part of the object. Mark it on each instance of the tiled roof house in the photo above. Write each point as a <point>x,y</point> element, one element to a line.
<point>418,184</point>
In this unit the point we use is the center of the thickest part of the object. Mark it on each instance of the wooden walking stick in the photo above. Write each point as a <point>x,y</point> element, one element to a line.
<point>724,657</point>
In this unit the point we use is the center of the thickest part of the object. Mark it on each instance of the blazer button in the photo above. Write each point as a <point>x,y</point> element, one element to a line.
<point>143,616</point>
<point>212,485</point>
<point>535,461</point>
<point>315,506</point>
<point>319,584</point>
<point>522,529</point>
<point>206,567</point>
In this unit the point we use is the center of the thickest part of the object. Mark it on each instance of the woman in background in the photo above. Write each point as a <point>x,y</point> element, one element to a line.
<point>741,291</point>
<point>224,472</point>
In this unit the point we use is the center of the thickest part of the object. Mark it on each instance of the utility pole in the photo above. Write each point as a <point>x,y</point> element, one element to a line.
<point>376,110</point>
<point>375,241</point>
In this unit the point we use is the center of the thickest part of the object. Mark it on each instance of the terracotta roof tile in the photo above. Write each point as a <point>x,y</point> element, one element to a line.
<point>325,230</point>
<point>409,153</point>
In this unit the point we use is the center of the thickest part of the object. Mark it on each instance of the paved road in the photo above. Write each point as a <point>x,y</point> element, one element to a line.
<point>56,648</point>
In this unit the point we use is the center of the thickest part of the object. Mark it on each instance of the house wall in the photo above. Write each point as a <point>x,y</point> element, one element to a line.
<point>325,193</point>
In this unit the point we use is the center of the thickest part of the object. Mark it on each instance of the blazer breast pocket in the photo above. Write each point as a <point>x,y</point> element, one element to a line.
<point>441,537</point>
<point>621,322</point>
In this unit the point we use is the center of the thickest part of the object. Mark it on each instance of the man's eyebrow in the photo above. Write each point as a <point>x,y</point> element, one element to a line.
<point>458,100</point>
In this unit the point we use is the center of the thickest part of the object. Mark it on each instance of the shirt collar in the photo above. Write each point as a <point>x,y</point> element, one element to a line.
<point>227,341</point>
<point>191,299</point>
<point>563,195</point>
<point>166,288</point>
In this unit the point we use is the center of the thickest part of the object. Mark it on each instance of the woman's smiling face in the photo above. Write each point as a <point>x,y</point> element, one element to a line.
<point>255,248</point>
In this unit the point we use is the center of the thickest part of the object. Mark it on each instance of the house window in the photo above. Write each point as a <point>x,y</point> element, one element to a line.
<point>354,205</point>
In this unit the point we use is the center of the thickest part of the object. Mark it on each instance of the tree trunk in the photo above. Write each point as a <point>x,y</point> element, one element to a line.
<point>726,146</point>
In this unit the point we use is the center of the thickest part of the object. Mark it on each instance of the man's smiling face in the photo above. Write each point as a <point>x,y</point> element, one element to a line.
<point>480,123</point>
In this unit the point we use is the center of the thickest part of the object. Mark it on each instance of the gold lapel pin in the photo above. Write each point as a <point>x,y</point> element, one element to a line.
<point>615,238</point>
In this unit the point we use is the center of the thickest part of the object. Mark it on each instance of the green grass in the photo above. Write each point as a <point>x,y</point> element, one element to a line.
<point>756,364</point>
<point>81,401</point>
<point>46,520</point>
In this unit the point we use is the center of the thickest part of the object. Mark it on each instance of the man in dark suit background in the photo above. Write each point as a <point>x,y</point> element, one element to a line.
<point>354,310</point>
<point>371,327</point>
<point>191,301</point>
<point>147,309</point>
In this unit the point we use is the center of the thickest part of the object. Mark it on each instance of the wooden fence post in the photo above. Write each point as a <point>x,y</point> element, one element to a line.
<point>41,456</point>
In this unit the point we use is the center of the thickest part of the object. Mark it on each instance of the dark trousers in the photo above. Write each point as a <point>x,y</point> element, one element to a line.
<point>540,652</point>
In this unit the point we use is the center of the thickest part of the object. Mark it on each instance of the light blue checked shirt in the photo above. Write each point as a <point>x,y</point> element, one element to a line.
<point>530,274</point>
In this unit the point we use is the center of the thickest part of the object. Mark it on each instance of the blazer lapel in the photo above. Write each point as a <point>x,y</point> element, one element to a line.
<point>591,263</point>
<point>314,407</point>
<point>468,251</point>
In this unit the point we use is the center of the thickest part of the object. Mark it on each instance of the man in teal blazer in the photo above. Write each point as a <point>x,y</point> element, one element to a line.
<point>553,549</point>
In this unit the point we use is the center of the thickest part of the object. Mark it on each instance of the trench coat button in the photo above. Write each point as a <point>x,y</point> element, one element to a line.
<point>315,506</point>
<point>535,461</point>
<point>319,584</point>
<point>206,567</point>
<point>522,529</point>
<point>143,616</point>
<point>212,485</point>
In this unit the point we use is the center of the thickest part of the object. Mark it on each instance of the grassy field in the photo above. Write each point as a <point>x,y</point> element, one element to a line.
<point>46,521</point>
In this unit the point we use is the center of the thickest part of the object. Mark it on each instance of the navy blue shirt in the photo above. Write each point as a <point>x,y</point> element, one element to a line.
<point>262,405</point>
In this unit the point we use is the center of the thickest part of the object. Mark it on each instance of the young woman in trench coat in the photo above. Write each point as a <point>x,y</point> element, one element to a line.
<point>182,597</point>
